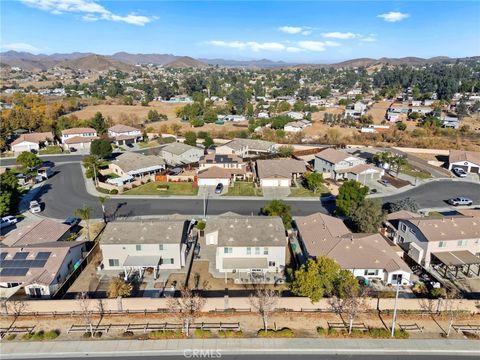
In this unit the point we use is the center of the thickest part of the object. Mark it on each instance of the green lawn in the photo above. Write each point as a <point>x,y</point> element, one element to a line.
<point>144,145</point>
<point>111,176</point>
<point>302,191</point>
<point>49,150</point>
<point>420,174</point>
<point>243,188</point>
<point>179,188</point>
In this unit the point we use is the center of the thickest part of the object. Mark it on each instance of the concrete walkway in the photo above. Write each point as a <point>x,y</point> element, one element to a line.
<point>60,349</point>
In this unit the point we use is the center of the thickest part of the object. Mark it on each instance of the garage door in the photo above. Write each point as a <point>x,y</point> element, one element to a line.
<point>213,182</point>
<point>275,182</point>
<point>461,167</point>
<point>475,169</point>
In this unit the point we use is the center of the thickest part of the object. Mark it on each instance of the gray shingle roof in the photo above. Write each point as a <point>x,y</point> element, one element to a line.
<point>178,148</point>
<point>279,168</point>
<point>129,161</point>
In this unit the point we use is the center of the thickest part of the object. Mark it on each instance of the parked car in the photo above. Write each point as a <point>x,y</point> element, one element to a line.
<point>196,251</point>
<point>460,201</point>
<point>7,221</point>
<point>384,182</point>
<point>72,149</point>
<point>72,221</point>
<point>35,207</point>
<point>328,199</point>
<point>459,172</point>
<point>219,188</point>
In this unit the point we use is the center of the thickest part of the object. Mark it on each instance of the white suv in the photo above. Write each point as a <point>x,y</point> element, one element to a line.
<point>460,201</point>
<point>459,172</point>
<point>35,207</point>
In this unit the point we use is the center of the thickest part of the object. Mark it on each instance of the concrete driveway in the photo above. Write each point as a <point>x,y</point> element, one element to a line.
<point>272,192</point>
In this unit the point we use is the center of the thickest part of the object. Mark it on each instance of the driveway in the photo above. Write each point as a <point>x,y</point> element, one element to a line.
<point>272,192</point>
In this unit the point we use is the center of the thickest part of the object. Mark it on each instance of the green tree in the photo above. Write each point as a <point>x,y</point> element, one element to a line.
<point>279,208</point>
<point>153,116</point>
<point>314,181</point>
<point>84,214</point>
<point>401,126</point>
<point>91,165</point>
<point>350,195</point>
<point>98,123</point>
<point>407,204</point>
<point>190,138</point>
<point>368,216</point>
<point>210,115</point>
<point>101,148</point>
<point>9,194</point>
<point>238,97</point>
<point>197,122</point>
<point>285,151</point>
<point>28,160</point>
<point>207,142</point>
<point>315,279</point>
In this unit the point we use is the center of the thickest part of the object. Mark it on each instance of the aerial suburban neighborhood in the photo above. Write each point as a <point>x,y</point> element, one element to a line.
<point>232,204</point>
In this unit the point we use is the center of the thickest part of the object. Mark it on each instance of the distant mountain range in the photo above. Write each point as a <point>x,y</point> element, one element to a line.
<point>125,61</point>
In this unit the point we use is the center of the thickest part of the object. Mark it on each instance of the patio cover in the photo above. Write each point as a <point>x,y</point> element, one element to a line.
<point>457,258</point>
<point>144,261</point>
<point>245,263</point>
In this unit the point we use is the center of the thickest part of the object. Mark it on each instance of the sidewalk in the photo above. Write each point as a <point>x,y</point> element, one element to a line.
<point>60,349</point>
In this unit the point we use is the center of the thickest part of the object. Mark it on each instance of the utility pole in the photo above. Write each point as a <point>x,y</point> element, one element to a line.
<point>399,280</point>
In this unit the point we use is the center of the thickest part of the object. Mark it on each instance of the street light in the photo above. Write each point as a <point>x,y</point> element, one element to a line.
<point>399,280</point>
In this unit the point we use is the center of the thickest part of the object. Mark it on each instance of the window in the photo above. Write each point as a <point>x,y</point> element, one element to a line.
<point>257,251</point>
<point>113,262</point>
<point>161,247</point>
<point>461,242</point>
<point>138,247</point>
<point>265,251</point>
<point>442,244</point>
<point>271,263</point>
<point>227,250</point>
<point>403,227</point>
<point>371,272</point>
<point>169,261</point>
<point>249,251</point>
<point>401,239</point>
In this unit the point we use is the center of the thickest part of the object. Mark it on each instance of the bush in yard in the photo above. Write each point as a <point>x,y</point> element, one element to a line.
<point>39,335</point>
<point>113,192</point>
<point>438,293</point>
<point>27,336</point>
<point>285,332</point>
<point>203,333</point>
<point>127,334</point>
<point>52,334</point>
<point>200,225</point>
<point>169,334</point>
<point>230,333</point>
<point>163,187</point>
<point>10,337</point>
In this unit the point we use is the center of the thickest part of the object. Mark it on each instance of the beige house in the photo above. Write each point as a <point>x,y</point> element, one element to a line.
<point>181,154</point>
<point>124,134</point>
<point>279,172</point>
<point>246,147</point>
<point>428,240</point>
<point>78,138</point>
<point>369,256</point>
<point>31,141</point>
<point>220,168</point>
<point>130,165</point>
<point>466,160</point>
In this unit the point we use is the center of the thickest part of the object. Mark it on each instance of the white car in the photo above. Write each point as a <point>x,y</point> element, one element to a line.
<point>459,172</point>
<point>8,221</point>
<point>35,207</point>
<point>460,201</point>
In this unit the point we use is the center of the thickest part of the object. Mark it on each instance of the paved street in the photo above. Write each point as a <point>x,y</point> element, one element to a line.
<point>66,191</point>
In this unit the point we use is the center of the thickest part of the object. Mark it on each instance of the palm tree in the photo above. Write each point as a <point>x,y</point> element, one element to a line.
<point>84,214</point>
<point>398,162</point>
<point>102,200</point>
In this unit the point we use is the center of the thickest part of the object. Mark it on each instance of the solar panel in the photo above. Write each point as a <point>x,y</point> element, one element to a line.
<point>43,255</point>
<point>3,255</point>
<point>14,272</point>
<point>36,263</point>
<point>20,256</point>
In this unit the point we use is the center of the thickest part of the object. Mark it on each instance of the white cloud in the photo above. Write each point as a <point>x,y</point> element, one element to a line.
<point>304,30</point>
<point>312,45</point>
<point>339,35</point>
<point>393,16</point>
<point>252,45</point>
<point>21,47</point>
<point>370,39</point>
<point>91,10</point>
<point>294,49</point>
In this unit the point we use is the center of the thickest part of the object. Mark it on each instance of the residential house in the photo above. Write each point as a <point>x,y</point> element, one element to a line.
<point>369,256</point>
<point>296,115</point>
<point>425,240</point>
<point>131,165</point>
<point>247,246</point>
<point>234,118</point>
<point>263,115</point>
<point>360,107</point>
<point>31,141</point>
<point>279,172</point>
<point>134,246</point>
<point>338,165</point>
<point>297,126</point>
<point>78,138</point>
<point>466,160</point>
<point>220,168</point>
<point>416,103</point>
<point>181,154</point>
<point>37,258</point>
<point>246,147</point>
<point>124,134</point>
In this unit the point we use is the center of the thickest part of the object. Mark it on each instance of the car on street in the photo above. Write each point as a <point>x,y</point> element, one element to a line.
<point>7,221</point>
<point>459,172</point>
<point>72,221</point>
<point>384,182</point>
<point>35,207</point>
<point>458,201</point>
<point>219,188</point>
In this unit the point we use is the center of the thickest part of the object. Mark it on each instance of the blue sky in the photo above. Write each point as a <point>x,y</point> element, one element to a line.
<point>314,31</point>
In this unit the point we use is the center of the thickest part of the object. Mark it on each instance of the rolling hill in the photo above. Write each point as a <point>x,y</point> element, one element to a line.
<point>95,62</point>
<point>185,62</point>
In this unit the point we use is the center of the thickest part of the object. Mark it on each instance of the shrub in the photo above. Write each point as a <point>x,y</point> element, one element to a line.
<point>202,333</point>
<point>163,187</point>
<point>27,336</point>
<point>39,335</point>
<point>170,334</point>
<point>97,334</point>
<point>52,334</point>
<point>230,333</point>
<point>285,332</point>
<point>113,192</point>
<point>200,225</point>
<point>10,337</point>
<point>321,331</point>
<point>127,334</point>
<point>438,293</point>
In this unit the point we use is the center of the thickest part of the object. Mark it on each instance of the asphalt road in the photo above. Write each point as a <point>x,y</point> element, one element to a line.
<point>65,192</point>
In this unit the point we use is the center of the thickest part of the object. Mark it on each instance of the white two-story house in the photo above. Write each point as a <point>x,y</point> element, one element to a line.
<point>78,138</point>
<point>135,246</point>
<point>124,134</point>
<point>247,247</point>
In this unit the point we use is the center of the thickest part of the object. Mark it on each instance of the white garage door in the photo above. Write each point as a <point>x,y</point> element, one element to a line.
<point>25,147</point>
<point>213,182</point>
<point>275,182</point>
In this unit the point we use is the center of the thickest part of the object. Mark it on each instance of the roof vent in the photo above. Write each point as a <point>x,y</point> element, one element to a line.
<point>231,226</point>
<point>231,239</point>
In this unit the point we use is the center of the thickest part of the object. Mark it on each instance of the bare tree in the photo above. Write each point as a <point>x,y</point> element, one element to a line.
<point>264,302</point>
<point>187,307</point>
<point>16,307</point>
<point>451,305</point>
<point>84,303</point>
<point>353,300</point>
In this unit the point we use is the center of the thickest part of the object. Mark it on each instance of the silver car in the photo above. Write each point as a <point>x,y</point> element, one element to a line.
<point>458,201</point>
